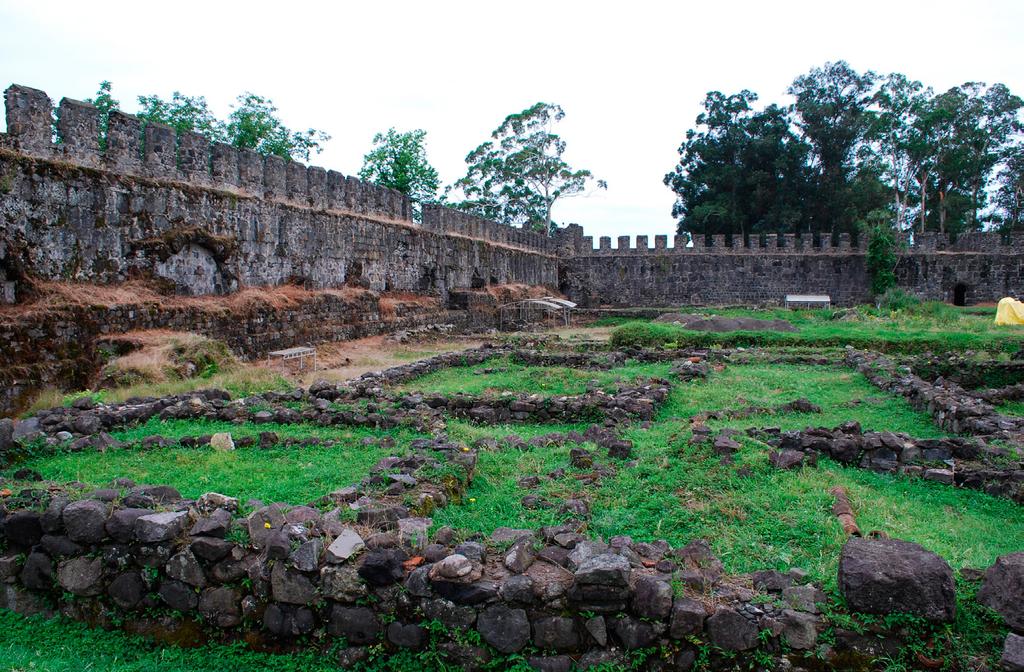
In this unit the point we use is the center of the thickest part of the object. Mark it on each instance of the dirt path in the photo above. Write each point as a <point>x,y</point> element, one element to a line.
<point>342,361</point>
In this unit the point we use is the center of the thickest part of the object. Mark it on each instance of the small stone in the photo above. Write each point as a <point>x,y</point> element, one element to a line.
<point>455,566</point>
<point>413,533</point>
<point>939,475</point>
<point>211,501</point>
<point>598,630</point>
<point>344,546</point>
<point>222,441</point>
<point>221,606</point>
<point>804,598</point>
<point>158,527</point>
<point>519,557</point>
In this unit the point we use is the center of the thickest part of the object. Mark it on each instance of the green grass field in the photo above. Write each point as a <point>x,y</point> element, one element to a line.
<point>753,515</point>
<point>930,326</point>
<point>510,376</point>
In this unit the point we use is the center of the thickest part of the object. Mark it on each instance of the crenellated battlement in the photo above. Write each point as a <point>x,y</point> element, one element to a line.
<point>156,151</point>
<point>771,243</point>
<point>212,218</point>
<point>455,222</point>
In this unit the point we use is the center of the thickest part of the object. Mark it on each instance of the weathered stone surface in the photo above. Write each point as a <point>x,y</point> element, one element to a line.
<point>407,635</point>
<point>344,546</point>
<point>1003,589</point>
<point>210,549</point>
<point>84,521</point>
<point>382,568</point>
<point>23,529</point>
<point>687,617</point>
<point>606,569</point>
<point>359,625</point>
<point>37,572</point>
<point>652,598</point>
<point>178,596</point>
<point>222,441</point>
<point>221,606</point>
<point>519,557</point>
<point>504,628</point>
<point>454,566</point>
<point>883,576</point>
<point>555,633</point>
<point>341,583</point>
<point>185,568</point>
<point>799,629</point>
<point>285,620</point>
<point>635,633</point>
<point>730,630</point>
<point>81,575</point>
<point>804,598</point>
<point>157,527</point>
<point>1012,659</point>
<point>306,558</point>
<point>290,586</point>
<point>127,590</point>
<point>121,523</point>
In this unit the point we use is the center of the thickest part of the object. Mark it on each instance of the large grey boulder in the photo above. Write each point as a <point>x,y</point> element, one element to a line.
<point>887,576</point>
<point>1003,589</point>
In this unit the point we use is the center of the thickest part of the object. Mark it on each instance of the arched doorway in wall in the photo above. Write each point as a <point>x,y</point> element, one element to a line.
<point>960,294</point>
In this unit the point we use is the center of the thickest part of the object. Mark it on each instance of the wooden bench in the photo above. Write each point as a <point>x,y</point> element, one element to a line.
<point>808,301</point>
<point>300,353</point>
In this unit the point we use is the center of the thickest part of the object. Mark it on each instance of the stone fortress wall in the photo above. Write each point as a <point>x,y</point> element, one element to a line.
<point>210,219</point>
<point>975,267</point>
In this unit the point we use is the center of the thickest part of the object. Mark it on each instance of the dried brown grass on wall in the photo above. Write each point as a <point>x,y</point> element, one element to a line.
<point>517,292</point>
<point>391,302</point>
<point>52,296</point>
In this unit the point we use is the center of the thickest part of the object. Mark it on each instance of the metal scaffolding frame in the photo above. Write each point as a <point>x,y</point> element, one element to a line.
<point>527,312</point>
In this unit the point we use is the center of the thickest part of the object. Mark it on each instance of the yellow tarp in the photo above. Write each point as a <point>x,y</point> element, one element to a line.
<point>1010,311</point>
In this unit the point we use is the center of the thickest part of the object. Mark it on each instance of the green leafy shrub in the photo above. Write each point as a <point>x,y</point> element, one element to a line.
<point>644,334</point>
<point>896,299</point>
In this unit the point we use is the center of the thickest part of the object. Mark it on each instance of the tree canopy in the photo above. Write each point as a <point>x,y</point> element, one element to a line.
<point>519,175</point>
<point>850,148</point>
<point>253,123</point>
<point>399,161</point>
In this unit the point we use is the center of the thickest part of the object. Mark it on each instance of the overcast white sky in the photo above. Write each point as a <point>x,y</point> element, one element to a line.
<point>630,75</point>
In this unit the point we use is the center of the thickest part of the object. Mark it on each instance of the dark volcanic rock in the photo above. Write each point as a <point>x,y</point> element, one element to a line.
<point>84,521</point>
<point>885,576</point>
<point>730,630</point>
<point>506,629</point>
<point>1003,589</point>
